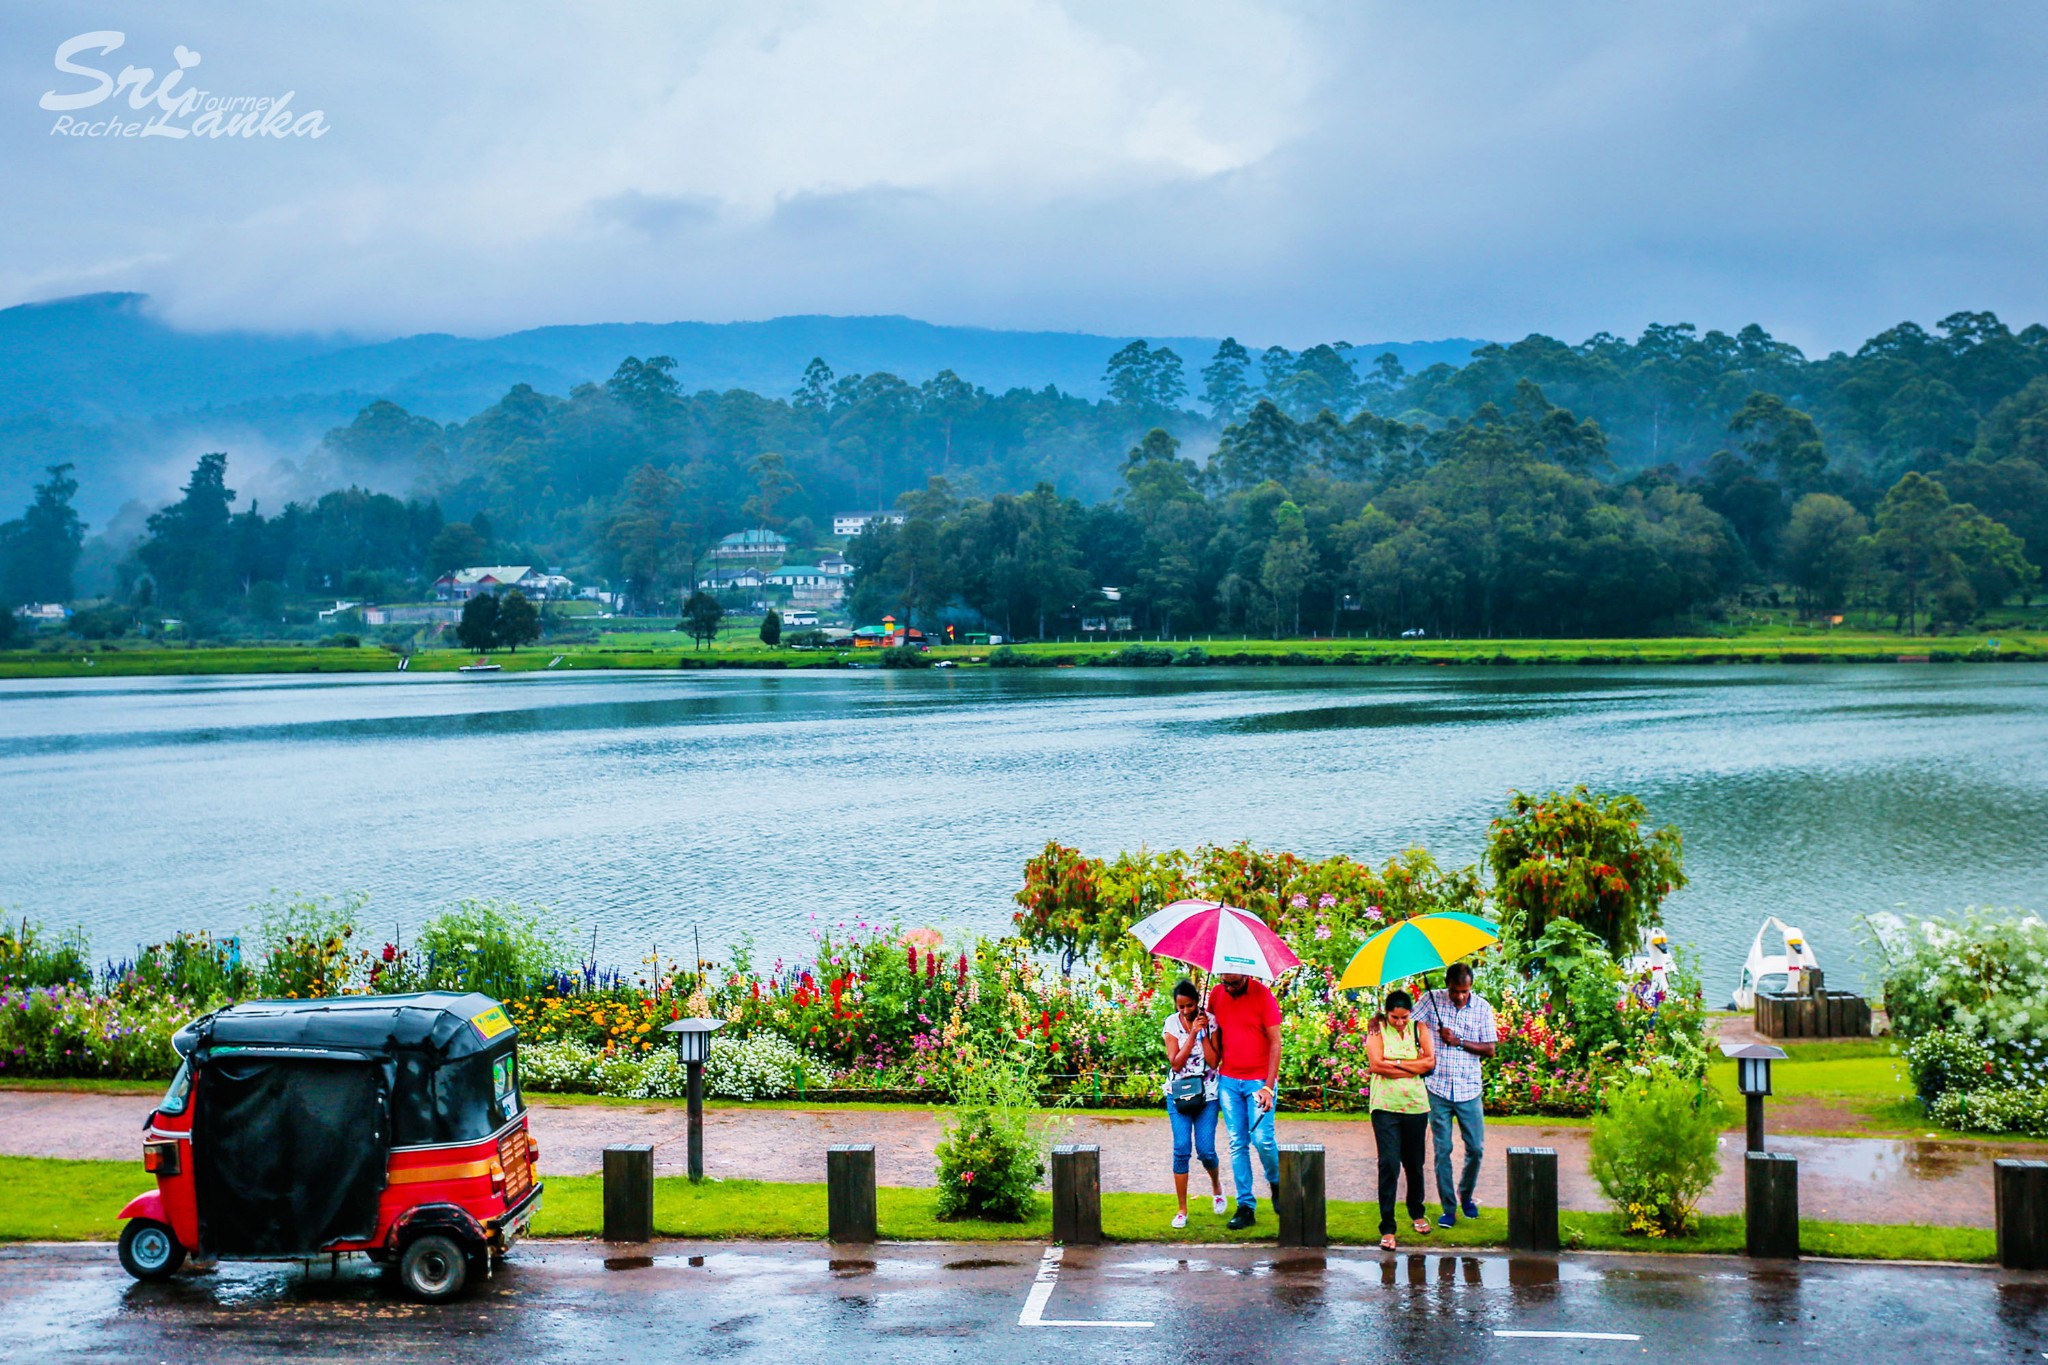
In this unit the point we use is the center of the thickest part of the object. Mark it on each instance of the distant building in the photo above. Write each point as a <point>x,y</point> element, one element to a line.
<point>463,584</point>
<point>836,565</point>
<point>732,580</point>
<point>809,585</point>
<point>43,611</point>
<point>755,544</point>
<point>412,615</point>
<point>851,524</point>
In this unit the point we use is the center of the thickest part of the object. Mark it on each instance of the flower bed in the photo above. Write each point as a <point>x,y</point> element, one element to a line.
<point>1070,1001</point>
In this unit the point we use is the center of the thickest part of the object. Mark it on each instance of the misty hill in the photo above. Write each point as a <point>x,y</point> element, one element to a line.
<point>102,380</point>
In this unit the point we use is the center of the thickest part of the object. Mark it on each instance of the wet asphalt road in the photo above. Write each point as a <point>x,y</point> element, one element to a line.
<point>792,1302</point>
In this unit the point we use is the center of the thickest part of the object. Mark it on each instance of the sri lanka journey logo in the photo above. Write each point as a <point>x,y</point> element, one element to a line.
<point>166,106</point>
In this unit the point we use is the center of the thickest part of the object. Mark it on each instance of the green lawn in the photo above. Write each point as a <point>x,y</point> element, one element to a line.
<point>741,649</point>
<point>53,1200</point>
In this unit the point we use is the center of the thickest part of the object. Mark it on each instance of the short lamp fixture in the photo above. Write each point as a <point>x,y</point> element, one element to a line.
<point>693,1049</point>
<point>1753,1079</point>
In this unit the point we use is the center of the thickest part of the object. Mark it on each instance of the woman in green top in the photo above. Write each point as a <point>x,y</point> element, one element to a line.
<point>1401,1052</point>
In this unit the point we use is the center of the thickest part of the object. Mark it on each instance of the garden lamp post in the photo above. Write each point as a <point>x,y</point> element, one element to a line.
<point>693,1048</point>
<point>1753,1079</point>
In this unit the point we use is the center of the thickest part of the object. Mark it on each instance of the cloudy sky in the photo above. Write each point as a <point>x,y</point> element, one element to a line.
<point>1387,169</point>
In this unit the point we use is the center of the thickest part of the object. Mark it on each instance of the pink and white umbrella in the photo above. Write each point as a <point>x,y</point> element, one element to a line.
<point>1216,938</point>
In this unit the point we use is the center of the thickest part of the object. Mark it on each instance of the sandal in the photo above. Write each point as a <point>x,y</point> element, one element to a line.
<point>1387,1243</point>
<point>1422,1227</point>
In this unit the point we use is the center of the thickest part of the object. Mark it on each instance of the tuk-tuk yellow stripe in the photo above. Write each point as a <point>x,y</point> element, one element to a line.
<point>420,1175</point>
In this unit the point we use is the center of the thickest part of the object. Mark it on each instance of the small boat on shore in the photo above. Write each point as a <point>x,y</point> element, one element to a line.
<point>482,665</point>
<point>1774,971</point>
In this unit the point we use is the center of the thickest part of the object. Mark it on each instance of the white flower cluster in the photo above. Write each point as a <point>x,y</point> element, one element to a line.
<point>760,1067</point>
<point>764,1066</point>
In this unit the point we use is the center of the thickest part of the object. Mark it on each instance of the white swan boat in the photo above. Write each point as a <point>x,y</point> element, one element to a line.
<point>1774,971</point>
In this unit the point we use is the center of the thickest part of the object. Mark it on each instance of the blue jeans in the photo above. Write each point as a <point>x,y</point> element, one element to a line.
<point>1194,1135</point>
<point>1249,1128</point>
<point>1472,1123</point>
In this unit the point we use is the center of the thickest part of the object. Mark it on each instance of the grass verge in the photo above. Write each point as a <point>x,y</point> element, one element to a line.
<point>641,650</point>
<point>57,1200</point>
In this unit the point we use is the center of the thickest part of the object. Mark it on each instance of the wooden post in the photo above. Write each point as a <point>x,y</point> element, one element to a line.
<point>1771,1205</point>
<point>1077,1194</point>
<point>1532,1199</point>
<point>850,1193</point>
<point>2020,1193</point>
<point>1298,1202</point>
<point>629,1193</point>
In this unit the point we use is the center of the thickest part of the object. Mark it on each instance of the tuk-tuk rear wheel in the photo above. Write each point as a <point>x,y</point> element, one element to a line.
<point>434,1267</point>
<point>149,1250</point>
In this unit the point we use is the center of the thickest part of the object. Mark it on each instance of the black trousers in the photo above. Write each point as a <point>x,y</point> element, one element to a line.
<point>1400,1139</point>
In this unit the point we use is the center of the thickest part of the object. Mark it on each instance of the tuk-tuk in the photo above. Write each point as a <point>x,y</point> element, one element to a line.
<point>388,1125</point>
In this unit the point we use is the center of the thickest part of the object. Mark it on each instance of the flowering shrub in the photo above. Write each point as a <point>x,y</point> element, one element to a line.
<point>31,957</point>
<point>1984,974</point>
<point>72,1030</point>
<point>1994,1109</point>
<point>1968,996</point>
<point>1581,856</point>
<point>1656,1148</point>
<point>765,1066</point>
<point>989,1161</point>
<point>564,1068</point>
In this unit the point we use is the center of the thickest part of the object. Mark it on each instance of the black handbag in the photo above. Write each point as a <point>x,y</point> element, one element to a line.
<point>1190,1094</point>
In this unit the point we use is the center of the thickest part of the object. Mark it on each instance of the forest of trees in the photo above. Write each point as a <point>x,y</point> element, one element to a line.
<point>1607,488</point>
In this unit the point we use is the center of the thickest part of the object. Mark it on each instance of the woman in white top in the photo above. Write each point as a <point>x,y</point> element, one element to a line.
<point>1191,1053</point>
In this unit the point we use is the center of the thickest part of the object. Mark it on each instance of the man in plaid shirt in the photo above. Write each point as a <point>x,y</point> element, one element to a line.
<point>1465,1037</point>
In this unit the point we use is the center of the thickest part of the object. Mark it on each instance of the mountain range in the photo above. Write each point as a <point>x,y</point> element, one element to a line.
<point>103,381</point>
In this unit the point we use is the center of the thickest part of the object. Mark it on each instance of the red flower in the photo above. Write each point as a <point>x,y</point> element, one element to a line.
<point>390,952</point>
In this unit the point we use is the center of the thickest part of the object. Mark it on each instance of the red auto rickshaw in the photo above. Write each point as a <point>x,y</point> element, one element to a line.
<point>388,1125</point>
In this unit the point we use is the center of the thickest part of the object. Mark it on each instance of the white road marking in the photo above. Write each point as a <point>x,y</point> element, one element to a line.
<point>1041,1291</point>
<point>1572,1336</point>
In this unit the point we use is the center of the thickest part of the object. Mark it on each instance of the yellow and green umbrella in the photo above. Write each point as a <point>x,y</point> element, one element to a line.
<point>1418,945</point>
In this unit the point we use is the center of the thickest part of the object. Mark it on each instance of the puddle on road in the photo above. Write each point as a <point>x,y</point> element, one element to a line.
<point>978,1265</point>
<point>628,1262</point>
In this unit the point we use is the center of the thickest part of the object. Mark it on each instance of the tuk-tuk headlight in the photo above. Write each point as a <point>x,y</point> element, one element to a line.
<point>160,1158</point>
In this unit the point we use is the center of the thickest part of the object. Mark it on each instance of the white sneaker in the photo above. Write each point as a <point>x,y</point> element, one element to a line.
<point>1180,1220</point>
<point>1221,1205</point>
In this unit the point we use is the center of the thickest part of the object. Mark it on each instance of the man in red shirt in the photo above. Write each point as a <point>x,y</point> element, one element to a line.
<point>1246,1019</point>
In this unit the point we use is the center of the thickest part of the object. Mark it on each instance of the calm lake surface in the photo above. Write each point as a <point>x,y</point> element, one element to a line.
<point>646,806</point>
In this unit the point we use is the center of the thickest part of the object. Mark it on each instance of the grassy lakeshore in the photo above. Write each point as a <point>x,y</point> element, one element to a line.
<point>666,651</point>
<point>76,1201</point>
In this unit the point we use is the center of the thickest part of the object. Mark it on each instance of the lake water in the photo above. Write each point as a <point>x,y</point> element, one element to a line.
<point>646,806</point>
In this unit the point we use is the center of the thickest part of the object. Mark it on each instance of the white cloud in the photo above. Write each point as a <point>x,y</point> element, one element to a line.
<point>1282,171</point>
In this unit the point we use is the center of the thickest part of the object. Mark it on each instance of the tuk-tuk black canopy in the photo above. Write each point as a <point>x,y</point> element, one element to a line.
<point>298,1103</point>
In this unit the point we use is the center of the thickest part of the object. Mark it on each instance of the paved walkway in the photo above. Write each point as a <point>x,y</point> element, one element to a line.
<point>1857,1180</point>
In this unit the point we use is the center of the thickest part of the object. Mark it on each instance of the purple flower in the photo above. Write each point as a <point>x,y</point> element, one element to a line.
<point>1372,912</point>
<point>1325,901</point>
<point>1298,902</point>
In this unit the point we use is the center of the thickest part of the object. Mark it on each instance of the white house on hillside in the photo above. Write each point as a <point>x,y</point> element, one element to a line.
<point>850,524</point>
<point>463,584</point>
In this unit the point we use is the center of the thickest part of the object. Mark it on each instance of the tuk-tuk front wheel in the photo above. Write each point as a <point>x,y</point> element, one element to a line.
<point>149,1250</point>
<point>433,1267</point>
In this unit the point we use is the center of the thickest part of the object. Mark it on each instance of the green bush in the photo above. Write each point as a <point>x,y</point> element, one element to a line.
<point>29,956</point>
<point>1194,656</point>
<point>1983,974</point>
<point>1993,1109</point>
<point>1581,856</point>
<point>1002,656</point>
<point>989,1163</point>
<point>1655,1150</point>
<point>563,1068</point>
<point>194,964</point>
<point>1141,656</point>
<point>495,947</point>
<point>1947,1060</point>
<point>905,656</point>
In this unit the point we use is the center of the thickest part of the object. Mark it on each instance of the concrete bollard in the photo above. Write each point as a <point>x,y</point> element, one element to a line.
<point>1771,1205</point>
<point>850,1193</point>
<point>1077,1195</point>
<point>629,1193</point>
<point>1532,1199</point>
<point>1298,1201</point>
<point>2020,1193</point>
